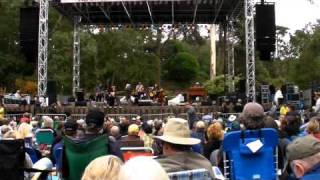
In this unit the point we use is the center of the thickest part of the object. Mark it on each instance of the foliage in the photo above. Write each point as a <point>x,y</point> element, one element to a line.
<point>182,67</point>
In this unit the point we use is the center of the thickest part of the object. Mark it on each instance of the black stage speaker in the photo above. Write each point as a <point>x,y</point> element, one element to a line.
<point>265,30</point>
<point>79,95</point>
<point>52,91</point>
<point>29,28</point>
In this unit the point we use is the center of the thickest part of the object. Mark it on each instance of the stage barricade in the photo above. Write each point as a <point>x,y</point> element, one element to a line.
<point>15,117</point>
<point>157,116</point>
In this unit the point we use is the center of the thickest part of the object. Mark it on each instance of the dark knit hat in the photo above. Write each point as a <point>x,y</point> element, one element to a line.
<point>95,118</point>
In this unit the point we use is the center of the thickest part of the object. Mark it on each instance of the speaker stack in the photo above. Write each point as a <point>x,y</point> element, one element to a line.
<point>265,30</point>
<point>29,28</point>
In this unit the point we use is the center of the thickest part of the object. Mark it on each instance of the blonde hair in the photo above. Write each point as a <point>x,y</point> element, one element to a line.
<point>10,135</point>
<point>313,126</point>
<point>142,168</point>
<point>24,131</point>
<point>215,131</point>
<point>104,167</point>
<point>133,129</point>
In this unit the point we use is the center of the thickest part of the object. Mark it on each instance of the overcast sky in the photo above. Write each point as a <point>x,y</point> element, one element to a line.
<point>295,14</point>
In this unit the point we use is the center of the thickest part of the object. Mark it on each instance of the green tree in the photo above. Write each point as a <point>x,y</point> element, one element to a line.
<point>182,67</point>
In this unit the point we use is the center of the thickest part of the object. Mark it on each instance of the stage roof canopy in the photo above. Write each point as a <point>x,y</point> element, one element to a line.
<point>94,12</point>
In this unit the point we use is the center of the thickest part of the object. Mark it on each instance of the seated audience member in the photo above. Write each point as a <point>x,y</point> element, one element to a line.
<point>253,116</point>
<point>104,167</point>
<point>124,125</point>
<point>147,135</point>
<point>199,133</point>
<point>24,130</point>
<point>115,133</point>
<point>157,127</point>
<point>177,154</point>
<point>94,128</point>
<point>132,139</point>
<point>313,127</point>
<point>142,168</point>
<point>48,124</point>
<point>215,137</point>
<point>70,128</point>
<point>303,155</point>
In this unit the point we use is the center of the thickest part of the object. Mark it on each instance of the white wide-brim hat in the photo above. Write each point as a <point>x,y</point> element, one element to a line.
<point>176,131</point>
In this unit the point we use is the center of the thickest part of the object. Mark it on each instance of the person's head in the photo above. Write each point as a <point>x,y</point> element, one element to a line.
<point>291,108</point>
<point>291,124</point>
<point>215,131</point>
<point>176,137</point>
<point>94,120</point>
<point>70,128</point>
<point>5,129</point>
<point>314,125</point>
<point>10,135</point>
<point>253,114</point>
<point>200,126</point>
<point>157,124</point>
<point>115,131</point>
<point>147,127</point>
<point>270,123</point>
<point>47,122</point>
<point>103,167</point>
<point>133,130</point>
<point>142,168</point>
<point>24,131</point>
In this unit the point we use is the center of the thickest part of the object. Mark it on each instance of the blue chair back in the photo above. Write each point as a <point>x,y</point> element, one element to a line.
<point>314,174</point>
<point>242,164</point>
<point>197,174</point>
<point>44,136</point>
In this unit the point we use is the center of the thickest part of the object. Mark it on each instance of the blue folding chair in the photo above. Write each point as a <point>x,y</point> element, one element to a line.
<point>197,174</point>
<point>240,163</point>
<point>312,175</point>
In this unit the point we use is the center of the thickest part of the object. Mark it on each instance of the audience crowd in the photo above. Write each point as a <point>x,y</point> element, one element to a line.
<point>177,145</point>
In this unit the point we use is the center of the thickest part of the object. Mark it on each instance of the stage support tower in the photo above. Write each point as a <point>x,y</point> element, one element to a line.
<point>76,54</point>
<point>250,51</point>
<point>43,47</point>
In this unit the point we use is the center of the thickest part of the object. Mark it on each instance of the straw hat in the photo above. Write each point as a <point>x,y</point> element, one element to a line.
<point>176,131</point>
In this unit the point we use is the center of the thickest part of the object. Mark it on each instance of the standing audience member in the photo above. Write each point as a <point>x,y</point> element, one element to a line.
<point>104,167</point>
<point>317,106</point>
<point>177,154</point>
<point>192,115</point>
<point>142,168</point>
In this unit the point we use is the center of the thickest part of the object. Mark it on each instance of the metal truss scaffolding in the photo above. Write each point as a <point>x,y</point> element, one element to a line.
<point>76,54</point>
<point>231,67</point>
<point>250,51</point>
<point>43,47</point>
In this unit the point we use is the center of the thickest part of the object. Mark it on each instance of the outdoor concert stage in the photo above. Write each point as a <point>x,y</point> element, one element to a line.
<point>135,12</point>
